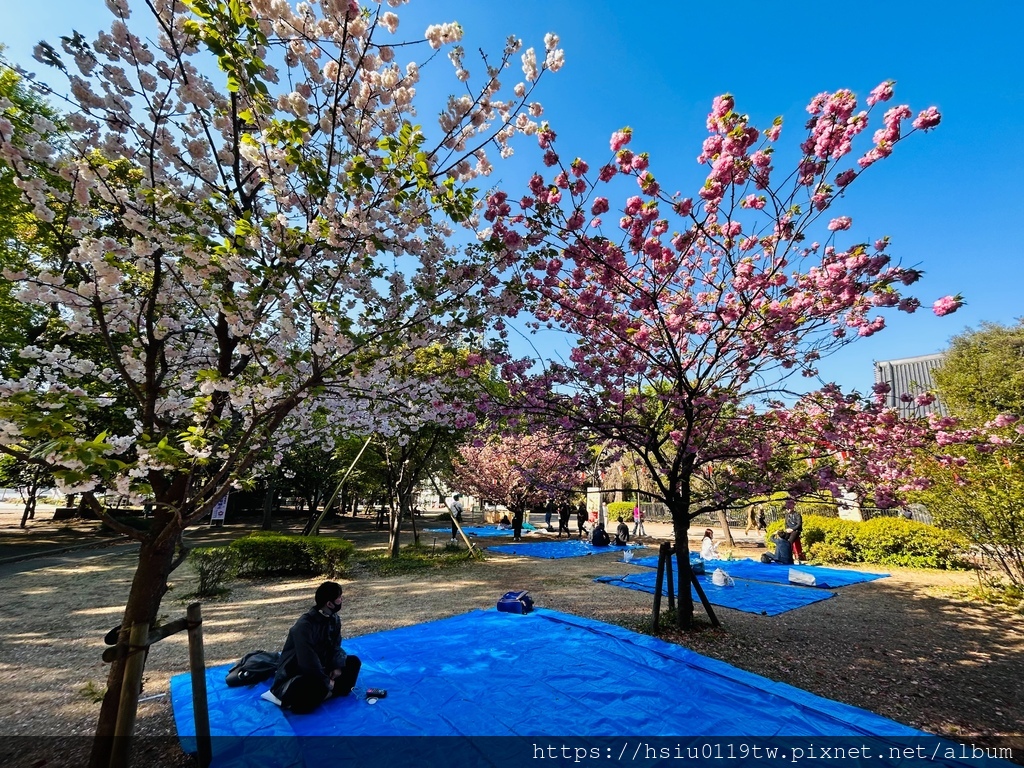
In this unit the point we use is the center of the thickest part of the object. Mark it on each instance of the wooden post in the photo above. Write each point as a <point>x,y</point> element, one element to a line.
<point>197,666</point>
<point>138,645</point>
<point>662,555</point>
<point>670,581</point>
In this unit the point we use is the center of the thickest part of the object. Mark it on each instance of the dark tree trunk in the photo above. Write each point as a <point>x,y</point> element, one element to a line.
<point>269,504</point>
<point>395,527</point>
<point>147,590</point>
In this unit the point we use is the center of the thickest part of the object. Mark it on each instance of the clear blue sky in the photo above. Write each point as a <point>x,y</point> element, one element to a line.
<point>949,199</point>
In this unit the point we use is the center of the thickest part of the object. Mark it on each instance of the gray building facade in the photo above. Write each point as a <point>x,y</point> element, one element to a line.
<point>913,376</point>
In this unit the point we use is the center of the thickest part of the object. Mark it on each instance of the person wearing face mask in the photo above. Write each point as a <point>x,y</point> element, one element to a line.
<point>313,666</point>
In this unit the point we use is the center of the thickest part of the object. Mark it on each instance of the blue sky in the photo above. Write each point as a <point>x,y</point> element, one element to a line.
<point>948,200</point>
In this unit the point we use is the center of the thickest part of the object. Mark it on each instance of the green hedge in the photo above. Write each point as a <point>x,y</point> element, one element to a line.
<point>266,554</point>
<point>624,508</point>
<point>883,540</point>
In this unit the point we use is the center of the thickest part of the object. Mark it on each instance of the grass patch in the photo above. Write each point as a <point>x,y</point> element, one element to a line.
<point>411,559</point>
<point>92,692</point>
<point>1000,593</point>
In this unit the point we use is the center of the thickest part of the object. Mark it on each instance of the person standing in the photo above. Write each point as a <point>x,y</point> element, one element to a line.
<point>517,525</point>
<point>313,666</point>
<point>549,511</point>
<point>581,519</point>
<point>564,513</point>
<point>794,528</point>
<point>751,519</point>
<point>456,510</point>
<point>636,519</point>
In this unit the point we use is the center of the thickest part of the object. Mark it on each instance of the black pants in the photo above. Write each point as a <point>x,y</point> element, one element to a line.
<point>305,693</point>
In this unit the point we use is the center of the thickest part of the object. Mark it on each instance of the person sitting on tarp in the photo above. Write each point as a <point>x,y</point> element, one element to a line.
<point>621,533</point>
<point>504,523</point>
<point>783,554</point>
<point>313,666</point>
<point>708,547</point>
<point>599,538</point>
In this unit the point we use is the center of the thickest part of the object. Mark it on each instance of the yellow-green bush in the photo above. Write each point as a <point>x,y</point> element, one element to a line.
<point>895,541</point>
<point>624,508</point>
<point>883,540</point>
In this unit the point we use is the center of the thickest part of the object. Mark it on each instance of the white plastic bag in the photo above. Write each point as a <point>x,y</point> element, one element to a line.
<point>802,578</point>
<point>721,579</point>
<point>627,556</point>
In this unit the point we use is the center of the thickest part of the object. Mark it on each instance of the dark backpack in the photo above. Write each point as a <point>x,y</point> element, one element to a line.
<point>253,668</point>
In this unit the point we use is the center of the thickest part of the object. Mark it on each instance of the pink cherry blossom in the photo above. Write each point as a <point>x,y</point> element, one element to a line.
<point>947,305</point>
<point>621,139</point>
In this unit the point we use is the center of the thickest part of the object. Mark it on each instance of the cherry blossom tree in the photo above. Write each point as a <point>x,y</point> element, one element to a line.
<point>693,320</point>
<point>518,470</point>
<point>254,222</point>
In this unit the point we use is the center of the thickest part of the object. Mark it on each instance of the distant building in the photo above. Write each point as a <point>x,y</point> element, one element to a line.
<point>913,376</point>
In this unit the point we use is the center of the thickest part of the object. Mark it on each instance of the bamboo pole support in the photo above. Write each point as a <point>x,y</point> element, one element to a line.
<point>197,666</point>
<point>131,685</point>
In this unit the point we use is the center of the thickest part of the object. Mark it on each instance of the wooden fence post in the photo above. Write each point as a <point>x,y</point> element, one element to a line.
<point>197,666</point>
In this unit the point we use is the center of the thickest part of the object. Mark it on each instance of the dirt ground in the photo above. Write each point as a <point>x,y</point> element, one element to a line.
<point>912,647</point>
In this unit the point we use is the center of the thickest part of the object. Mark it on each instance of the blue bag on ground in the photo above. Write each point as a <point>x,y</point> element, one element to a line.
<point>516,602</point>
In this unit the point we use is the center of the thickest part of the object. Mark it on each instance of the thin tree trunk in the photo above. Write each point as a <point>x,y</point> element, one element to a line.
<point>723,520</point>
<point>147,590</point>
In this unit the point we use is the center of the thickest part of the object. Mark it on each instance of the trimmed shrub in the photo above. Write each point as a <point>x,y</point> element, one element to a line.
<point>267,554</point>
<point>883,540</point>
<point>624,508</point>
<point>896,541</point>
<point>213,565</point>
<point>823,552</point>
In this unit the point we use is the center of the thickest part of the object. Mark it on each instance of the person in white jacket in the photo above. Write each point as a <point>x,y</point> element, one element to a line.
<point>708,547</point>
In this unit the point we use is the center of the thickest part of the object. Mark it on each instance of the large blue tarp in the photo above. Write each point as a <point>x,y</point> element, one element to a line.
<point>490,674</point>
<point>554,550</point>
<point>826,578</point>
<point>744,595</point>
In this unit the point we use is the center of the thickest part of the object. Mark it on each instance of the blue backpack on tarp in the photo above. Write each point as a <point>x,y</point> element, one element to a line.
<point>515,602</point>
<point>253,668</point>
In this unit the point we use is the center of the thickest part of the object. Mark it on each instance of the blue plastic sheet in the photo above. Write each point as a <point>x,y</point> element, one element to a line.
<point>555,550</point>
<point>475,530</point>
<point>476,675</point>
<point>495,674</point>
<point>826,578</point>
<point>745,595</point>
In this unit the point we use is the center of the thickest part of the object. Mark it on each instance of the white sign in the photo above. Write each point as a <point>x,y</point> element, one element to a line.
<point>220,509</point>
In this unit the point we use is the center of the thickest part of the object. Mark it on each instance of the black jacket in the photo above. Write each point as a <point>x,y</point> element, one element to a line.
<point>313,648</point>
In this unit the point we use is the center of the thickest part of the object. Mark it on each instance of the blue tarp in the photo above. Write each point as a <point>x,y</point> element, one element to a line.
<point>495,674</point>
<point>475,530</point>
<point>827,578</point>
<point>555,550</point>
<point>745,595</point>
